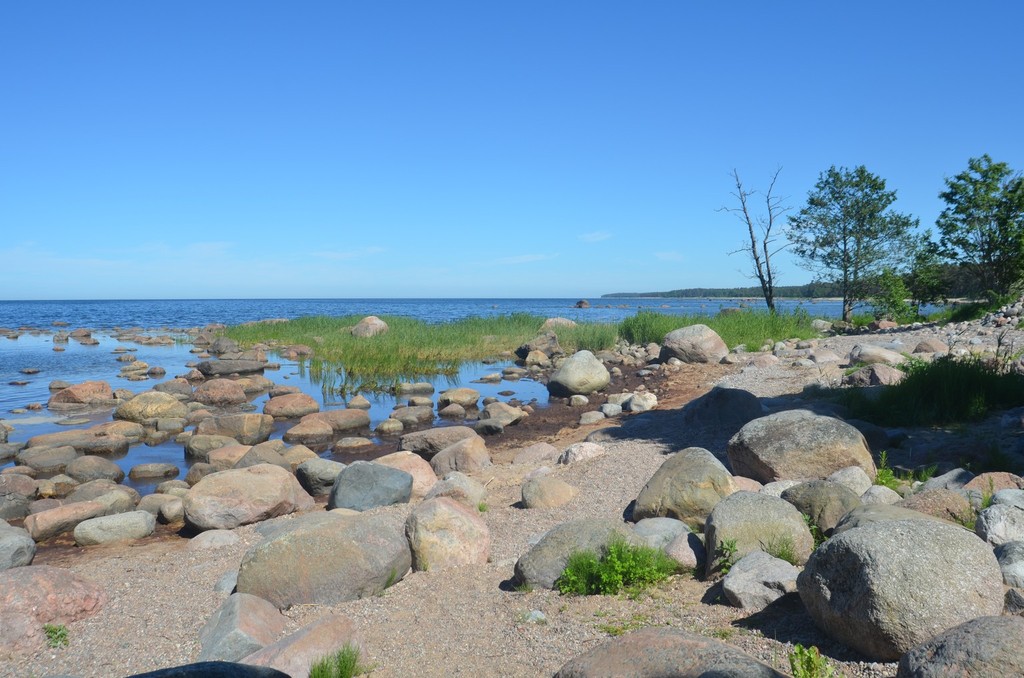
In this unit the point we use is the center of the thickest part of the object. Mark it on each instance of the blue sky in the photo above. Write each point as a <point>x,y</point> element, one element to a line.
<point>464,149</point>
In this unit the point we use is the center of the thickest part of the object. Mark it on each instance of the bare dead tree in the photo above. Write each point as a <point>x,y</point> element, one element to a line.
<point>760,227</point>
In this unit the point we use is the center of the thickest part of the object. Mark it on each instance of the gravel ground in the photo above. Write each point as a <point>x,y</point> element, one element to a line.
<point>464,621</point>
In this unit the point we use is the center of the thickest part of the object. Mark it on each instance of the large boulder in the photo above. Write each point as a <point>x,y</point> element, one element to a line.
<point>545,343</point>
<point>868,514</point>
<point>17,548</point>
<point>757,580</point>
<point>227,499</point>
<point>151,405</point>
<point>16,492</point>
<point>39,594</point>
<point>466,456</point>
<point>886,587</point>
<point>872,354</point>
<point>823,501</point>
<point>443,533</point>
<point>327,559</point>
<point>220,393</point>
<point>797,445</point>
<point>430,442</point>
<point>241,625</point>
<point>363,485</point>
<point>317,476</point>
<point>47,459</point>
<point>665,653</point>
<point>246,428</point>
<point>752,521</point>
<point>694,344</point>
<point>291,406</point>
<point>221,368</point>
<point>60,519</point>
<point>118,527</point>
<point>986,646</point>
<point>686,487</point>
<point>466,397</point>
<point>91,467</point>
<point>294,654</point>
<point>543,491</point>
<point>370,326</point>
<point>579,374</point>
<point>79,395</point>
<point>542,565</point>
<point>94,440</point>
<point>423,476</point>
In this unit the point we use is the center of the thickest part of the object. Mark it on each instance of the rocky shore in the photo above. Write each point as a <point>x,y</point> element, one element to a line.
<point>440,558</point>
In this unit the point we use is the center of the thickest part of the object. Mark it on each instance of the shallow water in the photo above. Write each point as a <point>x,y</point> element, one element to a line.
<point>78,363</point>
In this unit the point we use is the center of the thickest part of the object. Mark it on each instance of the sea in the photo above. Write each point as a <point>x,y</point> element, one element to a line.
<point>29,363</point>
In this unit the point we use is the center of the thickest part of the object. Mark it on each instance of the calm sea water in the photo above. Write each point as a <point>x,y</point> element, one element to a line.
<point>34,349</point>
<point>183,313</point>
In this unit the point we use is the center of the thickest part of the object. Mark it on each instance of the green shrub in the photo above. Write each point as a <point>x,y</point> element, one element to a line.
<point>623,565</point>
<point>807,662</point>
<point>342,664</point>
<point>890,300</point>
<point>947,390</point>
<point>816,533</point>
<point>725,556</point>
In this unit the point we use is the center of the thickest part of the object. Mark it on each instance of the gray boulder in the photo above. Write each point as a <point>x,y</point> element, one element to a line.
<point>686,487</point>
<point>722,409</point>
<point>327,559</point>
<point>363,485</point>
<point>542,565</point>
<point>872,354</point>
<point>430,442</point>
<point>951,480</point>
<point>660,532</point>
<point>17,548</point>
<point>886,587</point>
<point>797,444</point>
<point>118,527</point>
<point>1000,523</point>
<point>824,501</point>
<point>757,580</point>
<point>868,514</point>
<point>982,647</point>
<point>90,467</point>
<point>579,374</point>
<point>1010,556</point>
<point>241,625</point>
<point>466,456</point>
<point>459,487</point>
<point>295,653</point>
<point>317,476</point>
<point>443,533</point>
<point>47,459</point>
<point>694,344</point>
<point>222,368</point>
<point>665,653</point>
<point>16,492</point>
<point>754,521</point>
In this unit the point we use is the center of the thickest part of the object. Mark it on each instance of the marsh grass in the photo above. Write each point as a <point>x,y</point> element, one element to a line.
<point>750,328</point>
<point>623,566</point>
<point>411,349</point>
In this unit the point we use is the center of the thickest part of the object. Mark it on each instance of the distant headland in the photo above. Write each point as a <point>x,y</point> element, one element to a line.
<point>812,290</point>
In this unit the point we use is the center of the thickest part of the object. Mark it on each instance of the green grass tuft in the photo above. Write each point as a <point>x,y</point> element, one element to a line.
<point>948,390</point>
<point>56,635</point>
<point>623,566</point>
<point>342,664</point>
<point>750,328</point>
<point>807,662</point>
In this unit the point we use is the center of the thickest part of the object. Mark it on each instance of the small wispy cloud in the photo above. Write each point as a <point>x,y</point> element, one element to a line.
<point>669,256</point>
<point>347,255</point>
<point>524,258</point>
<point>596,236</point>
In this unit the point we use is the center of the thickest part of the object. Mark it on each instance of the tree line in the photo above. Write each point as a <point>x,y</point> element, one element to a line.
<point>849,236</point>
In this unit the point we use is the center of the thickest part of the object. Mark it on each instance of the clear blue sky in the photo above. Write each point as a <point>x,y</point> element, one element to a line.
<point>438,149</point>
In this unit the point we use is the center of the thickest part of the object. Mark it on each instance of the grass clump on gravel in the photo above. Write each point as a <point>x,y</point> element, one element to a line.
<point>623,566</point>
<point>750,328</point>
<point>948,390</point>
<point>342,664</point>
<point>807,662</point>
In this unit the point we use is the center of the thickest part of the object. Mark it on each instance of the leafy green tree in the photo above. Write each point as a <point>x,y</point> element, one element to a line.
<point>847,234</point>
<point>890,298</point>
<point>982,226</point>
<point>927,280</point>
